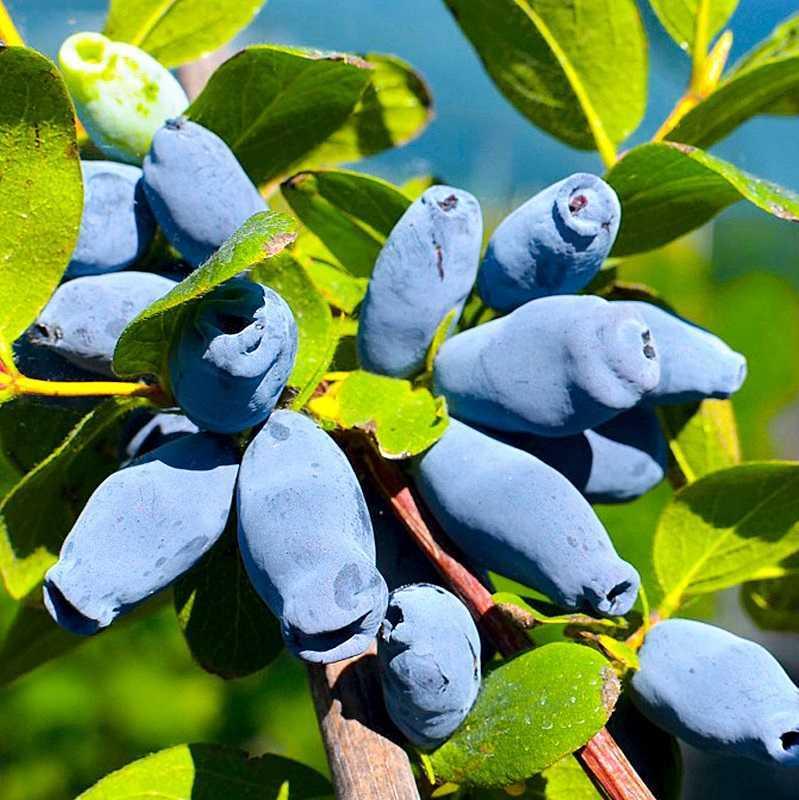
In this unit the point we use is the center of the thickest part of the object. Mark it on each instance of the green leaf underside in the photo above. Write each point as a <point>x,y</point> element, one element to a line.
<point>403,420</point>
<point>703,438</point>
<point>668,189</point>
<point>229,630</point>
<point>678,17</point>
<point>275,105</point>
<point>177,31</point>
<point>143,347</point>
<point>210,772</point>
<point>722,529</point>
<point>37,514</point>
<point>395,108</point>
<point>352,214</point>
<point>576,68</point>
<point>41,201</point>
<point>531,711</point>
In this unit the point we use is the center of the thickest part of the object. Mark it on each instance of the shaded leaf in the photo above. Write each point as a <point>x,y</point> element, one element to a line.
<point>668,189</point>
<point>275,105</point>
<point>41,201</point>
<point>773,604</point>
<point>703,437</point>
<point>576,68</point>
<point>679,18</point>
<point>229,630</point>
<point>210,772</point>
<point>531,712</point>
<point>37,514</point>
<point>395,107</point>
<point>177,31</point>
<point>403,420</point>
<point>143,346</point>
<point>723,528</point>
<point>352,214</point>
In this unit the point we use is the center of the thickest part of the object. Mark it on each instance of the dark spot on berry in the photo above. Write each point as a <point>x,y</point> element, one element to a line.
<point>448,203</point>
<point>577,203</point>
<point>649,351</point>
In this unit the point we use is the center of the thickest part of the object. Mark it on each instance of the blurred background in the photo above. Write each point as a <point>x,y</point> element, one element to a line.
<point>136,690</point>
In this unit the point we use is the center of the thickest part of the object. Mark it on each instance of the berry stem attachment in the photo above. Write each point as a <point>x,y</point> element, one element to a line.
<point>16,384</point>
<point>602,759</point>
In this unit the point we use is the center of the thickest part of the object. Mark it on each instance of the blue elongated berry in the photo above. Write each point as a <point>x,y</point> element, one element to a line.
<point>157,430</point>
<point>554,244</point>
<point>198,191</point>
<point>618,461</point>
<point>694,364</point>
<point>513,514</point>
<point>143,527</point>
<point>718,692</point>
<point>426,269</point>
<point>122,94</point>
<point>307,542</point>
<point>428,653</point>
<point>554,367</point>
<point>117,226</point>
<point>84,318</point>
<point>232,356</point>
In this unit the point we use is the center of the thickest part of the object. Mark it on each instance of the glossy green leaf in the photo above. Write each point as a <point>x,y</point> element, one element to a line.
<point>723,528</point>
<point>229,630</point>
<point>342,290</point>
<point>773,604</point>
<point>702,437</point>
<point>36,515</point>
<point>576,68</point>
<point>41,199</point>
<point>211,772</point>
<point>757,90</point>
<point>143,346</point>
<point>667,190</point>
<point>275,105</point>
<point>351,213</point>
<point>531,711</point>
<point>178,31</point>
<point>679,18</point>
<point>395,107</point>
<point>403,420</point>
<point>316,328</point>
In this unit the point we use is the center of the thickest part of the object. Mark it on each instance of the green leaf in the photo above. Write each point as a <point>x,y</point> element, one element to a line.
<point>722,529</point>
<point>773,604</point>
<point>177,31</point>
<point>41,200</point>
<point>740,97</point>
<point>395,108</point>
<point>352,214</point>
<point>668,189</point>
<point>37,514</point>
<point>275,105</point>
<point>576,68</point>
<point>679,17</point>
<point>531,711</point>
<point>404,420</point>
<point>208,772</point>
<point>342,290</point>
<point>703,437</point>
<point>315,325</point>
<point>229,630</point>
<point>143,347</point>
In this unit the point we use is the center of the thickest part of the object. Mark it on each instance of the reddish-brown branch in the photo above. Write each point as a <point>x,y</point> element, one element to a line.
<point>601,758</point>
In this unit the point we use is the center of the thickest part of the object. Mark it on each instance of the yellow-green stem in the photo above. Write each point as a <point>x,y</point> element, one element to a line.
<point>701,45</point>
<point>9,35</point>
<point>32,386</point>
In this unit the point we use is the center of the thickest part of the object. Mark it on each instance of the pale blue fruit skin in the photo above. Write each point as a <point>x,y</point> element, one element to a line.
<point>307,541</point>
<point>142,528</point>
<point>85,316</point>
<point>198,191</point>
<point>117,226</point>
<point>554,367</point>
<point>614,463</point>
<point>426,269</point>
<point>553,244</point>
<point>513,514</point>
<point>695,364</point>
<point>428,653</point>
<point>157,430</point>
<point>232,356</point>
<point>718,692</point>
